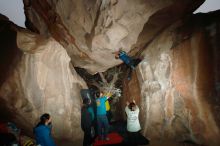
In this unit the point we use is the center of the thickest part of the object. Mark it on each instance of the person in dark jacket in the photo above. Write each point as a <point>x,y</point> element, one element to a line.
<point>87,118</point>
<point>42,131</point>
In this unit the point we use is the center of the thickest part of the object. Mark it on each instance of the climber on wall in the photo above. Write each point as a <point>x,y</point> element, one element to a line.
<point>129,61</point>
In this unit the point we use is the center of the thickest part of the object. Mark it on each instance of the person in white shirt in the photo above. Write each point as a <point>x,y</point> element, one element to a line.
<point>133,124</point>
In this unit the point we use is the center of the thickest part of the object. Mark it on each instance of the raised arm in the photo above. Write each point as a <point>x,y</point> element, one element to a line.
<point>108,95</point>
<point>137,108</point>
<point>126,107</point>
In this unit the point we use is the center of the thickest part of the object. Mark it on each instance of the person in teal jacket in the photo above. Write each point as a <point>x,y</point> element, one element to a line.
<point>42,131</point>
<point>102,120</point>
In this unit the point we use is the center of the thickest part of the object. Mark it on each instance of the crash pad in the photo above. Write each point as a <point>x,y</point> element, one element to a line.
<point>114,138</point>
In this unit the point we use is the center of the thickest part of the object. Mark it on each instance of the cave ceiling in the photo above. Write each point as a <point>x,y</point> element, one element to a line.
<point>91,30</point>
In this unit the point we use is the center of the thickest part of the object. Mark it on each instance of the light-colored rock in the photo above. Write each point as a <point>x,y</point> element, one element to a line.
<point>178,84</point>
<point>91,30</point>
<point>44,82</point>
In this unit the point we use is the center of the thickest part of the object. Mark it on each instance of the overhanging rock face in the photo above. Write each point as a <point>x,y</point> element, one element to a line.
<point>43,81</point>
<point>179,80</point>
<point>90,30</point>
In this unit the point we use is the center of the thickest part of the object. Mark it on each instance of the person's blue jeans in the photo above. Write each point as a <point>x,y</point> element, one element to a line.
<point>103,126</point>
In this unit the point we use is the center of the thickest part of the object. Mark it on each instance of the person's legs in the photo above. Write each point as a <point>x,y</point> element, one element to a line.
<point>131,138</point>
<point>129,73</point>
<point>141,139</point>
<point>87,138</point>
<point>136,61</point>
<point>99,126</point>
<point>109,115</point>
<point>131,64</point>
<point>136,138</point>
<point>106,127</point>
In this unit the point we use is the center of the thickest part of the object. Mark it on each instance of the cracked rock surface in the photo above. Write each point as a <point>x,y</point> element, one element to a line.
<point>91,30</point>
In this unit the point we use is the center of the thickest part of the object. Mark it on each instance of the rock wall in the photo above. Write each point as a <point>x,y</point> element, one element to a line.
<point>9,56</point>
<point>43,80</point>
<point>176,84</point>
<point>179,81</point>
<point>91,30</point>
<point>131,91</point>
<point>9,50</point>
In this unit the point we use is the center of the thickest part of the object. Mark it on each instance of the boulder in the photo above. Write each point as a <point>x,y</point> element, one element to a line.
<point>179,82</point>
<point>42,81</point>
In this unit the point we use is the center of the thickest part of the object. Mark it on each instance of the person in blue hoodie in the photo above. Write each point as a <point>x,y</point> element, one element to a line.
<point>129,61</point>
<point>125,58</point>
<point>42,131</point>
